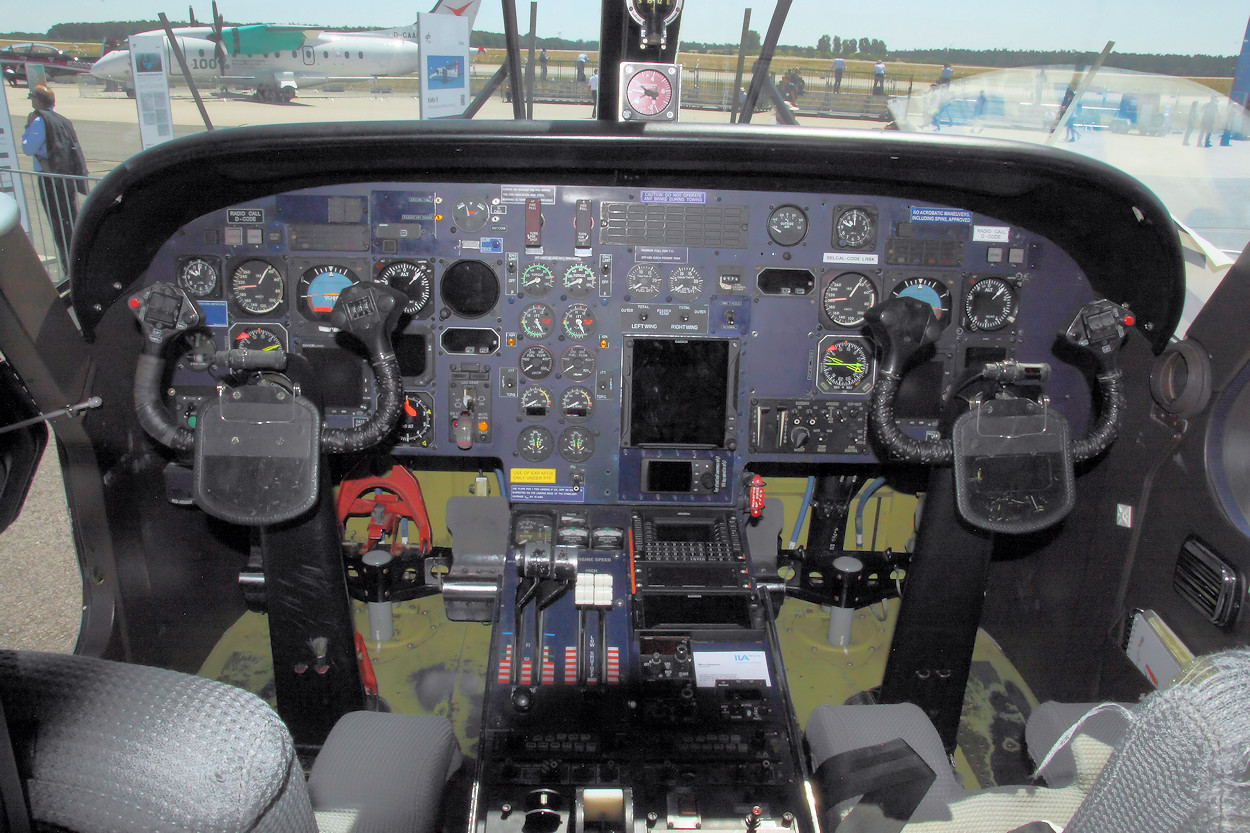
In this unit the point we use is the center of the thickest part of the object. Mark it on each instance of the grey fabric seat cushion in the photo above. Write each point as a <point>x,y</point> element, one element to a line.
<point>109,746</point>
<point>383,772</point>
<point>1047,724</point>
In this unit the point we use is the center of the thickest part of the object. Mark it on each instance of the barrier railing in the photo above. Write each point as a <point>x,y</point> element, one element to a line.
<point>49,208</point>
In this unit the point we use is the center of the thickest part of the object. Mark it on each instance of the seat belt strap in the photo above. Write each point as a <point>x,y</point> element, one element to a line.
<point>15,817</point>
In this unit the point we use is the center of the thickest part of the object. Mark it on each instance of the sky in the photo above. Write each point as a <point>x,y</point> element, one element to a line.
<point>1154,26</point>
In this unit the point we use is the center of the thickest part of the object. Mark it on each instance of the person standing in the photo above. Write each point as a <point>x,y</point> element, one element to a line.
<point>1191,122</point>
<point>1210,115</point>
<point>593,86</point>
<point>581,67</point>
<point>50,140</point>
<point>878,77</point>
<point>839,67</point>
<point>944,77</point>
<point>542,63</point>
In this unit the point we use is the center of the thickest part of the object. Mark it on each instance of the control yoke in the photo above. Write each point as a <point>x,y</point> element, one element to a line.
<point>1012,456</point>
<point>259,418</point>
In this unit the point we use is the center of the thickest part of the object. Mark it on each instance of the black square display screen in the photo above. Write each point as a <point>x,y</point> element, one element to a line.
<point>678,392</point>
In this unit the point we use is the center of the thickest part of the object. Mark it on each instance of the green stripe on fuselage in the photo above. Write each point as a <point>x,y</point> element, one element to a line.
<point>261,38</point>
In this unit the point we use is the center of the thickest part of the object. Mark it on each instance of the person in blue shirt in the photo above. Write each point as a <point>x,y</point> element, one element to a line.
<point>50,140</point>
<point>839,67</point>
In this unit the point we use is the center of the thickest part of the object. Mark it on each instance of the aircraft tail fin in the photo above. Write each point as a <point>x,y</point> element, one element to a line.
<point>460,8</point>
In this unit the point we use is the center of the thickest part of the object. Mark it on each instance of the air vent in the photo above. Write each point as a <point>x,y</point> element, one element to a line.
<point>1207,582</point>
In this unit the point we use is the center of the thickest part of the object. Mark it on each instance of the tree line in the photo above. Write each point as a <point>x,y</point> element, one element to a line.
<point>827,46</point>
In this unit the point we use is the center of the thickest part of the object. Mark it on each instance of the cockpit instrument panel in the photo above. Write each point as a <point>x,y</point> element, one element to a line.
<point>613,344</point>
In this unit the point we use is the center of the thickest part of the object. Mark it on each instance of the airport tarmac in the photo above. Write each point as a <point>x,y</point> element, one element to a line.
<point>40,592</point>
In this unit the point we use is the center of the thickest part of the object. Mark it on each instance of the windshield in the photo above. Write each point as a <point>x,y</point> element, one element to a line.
<point>1140,86</point>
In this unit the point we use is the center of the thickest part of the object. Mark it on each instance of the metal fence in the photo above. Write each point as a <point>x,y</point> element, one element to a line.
<point>49,209</point>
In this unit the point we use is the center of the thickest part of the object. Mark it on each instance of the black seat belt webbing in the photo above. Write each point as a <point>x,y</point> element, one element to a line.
<point>15,816</point>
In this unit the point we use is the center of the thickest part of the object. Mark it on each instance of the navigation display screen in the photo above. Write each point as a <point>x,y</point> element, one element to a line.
<point>678,392</point>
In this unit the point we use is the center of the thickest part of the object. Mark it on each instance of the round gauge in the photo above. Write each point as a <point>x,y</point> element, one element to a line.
<point>685,281</point>
<point>576,444</point>
<point>577,403</point>
<point>577,363</point>
<point>531,528</point>
<point>644,280</point>
<point>844,364</point>
<point>537,280</point>
<point>930,290</point>
<point>577,321</point>
<point>319,289</point>
<point>847,298</point>
<point>471,213</point>
<point>413,278</point>
<point>256,338</point>
<point>198,277</point>
<point>416,417</point>
<point>469,288</point>
<point>787,225</point>
<point>579,280</point>
<point>538,321</point>
<point>990,304</point>
<point>535,443</point>
<point>854,228</point>
<point>649,92</point>
<point>535,401</point>
<point>257,287</point>
<point>196,351</point>
<point>536,362</point>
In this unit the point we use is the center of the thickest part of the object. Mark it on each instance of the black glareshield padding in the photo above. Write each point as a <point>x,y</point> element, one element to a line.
<point>149,409</point>
<point>901,328</point>
<point>370,312</point>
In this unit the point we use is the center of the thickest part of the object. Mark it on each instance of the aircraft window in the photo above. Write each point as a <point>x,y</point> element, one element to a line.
<point>294,54</point>
<point>325,53</point>
<point>360,55</point>
<point>201,53</point>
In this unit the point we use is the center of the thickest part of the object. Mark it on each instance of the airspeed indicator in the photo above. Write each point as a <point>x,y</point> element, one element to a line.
<point>847,297</point>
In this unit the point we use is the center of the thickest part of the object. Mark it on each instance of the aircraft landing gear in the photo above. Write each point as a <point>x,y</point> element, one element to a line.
<point>275,95</point>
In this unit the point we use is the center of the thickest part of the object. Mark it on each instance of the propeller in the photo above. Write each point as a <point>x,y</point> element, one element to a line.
<point>217,38</point>
<point>191,15</point>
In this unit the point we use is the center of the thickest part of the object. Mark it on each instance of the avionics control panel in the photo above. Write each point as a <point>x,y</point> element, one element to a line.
<point>616,345</point>
<point>632,684</point>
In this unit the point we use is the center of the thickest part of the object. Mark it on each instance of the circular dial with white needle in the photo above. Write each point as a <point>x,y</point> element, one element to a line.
<point>847,297</point>
<point>854,228</point>
<point>649,92</point>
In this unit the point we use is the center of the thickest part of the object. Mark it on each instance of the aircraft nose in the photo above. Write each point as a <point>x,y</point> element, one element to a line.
<point>112,67</point>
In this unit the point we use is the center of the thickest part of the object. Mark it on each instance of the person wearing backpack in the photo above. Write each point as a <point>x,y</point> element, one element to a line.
<point>51,141</point>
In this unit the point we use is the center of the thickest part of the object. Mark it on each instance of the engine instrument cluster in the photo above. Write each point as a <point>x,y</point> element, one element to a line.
<point>609,345</point>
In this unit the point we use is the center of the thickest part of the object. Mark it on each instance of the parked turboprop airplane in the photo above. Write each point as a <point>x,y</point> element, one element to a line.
<point>277,59</point>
